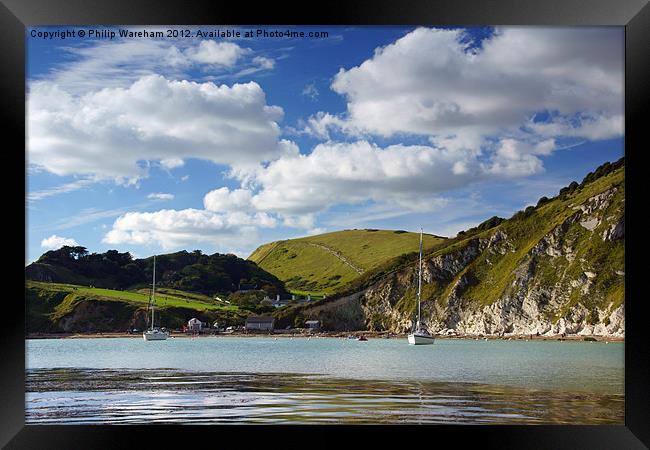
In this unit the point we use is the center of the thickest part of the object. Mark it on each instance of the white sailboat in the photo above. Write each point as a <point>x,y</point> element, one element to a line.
<point>154,334</point>
<point>420,335</point>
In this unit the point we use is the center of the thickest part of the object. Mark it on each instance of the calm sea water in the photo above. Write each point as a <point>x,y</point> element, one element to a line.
<point>300,380</point>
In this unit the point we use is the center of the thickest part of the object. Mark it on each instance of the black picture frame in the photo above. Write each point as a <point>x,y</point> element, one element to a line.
<point>17,15</point>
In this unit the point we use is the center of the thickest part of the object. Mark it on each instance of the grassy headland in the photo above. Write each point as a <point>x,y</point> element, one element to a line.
<point>57,307</point>
<point>323,264</point>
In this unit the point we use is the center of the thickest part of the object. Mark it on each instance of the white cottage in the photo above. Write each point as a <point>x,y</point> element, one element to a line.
<point>194,324</point>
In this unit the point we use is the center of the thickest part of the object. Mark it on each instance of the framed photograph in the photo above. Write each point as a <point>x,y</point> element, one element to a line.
<point>409,215</point>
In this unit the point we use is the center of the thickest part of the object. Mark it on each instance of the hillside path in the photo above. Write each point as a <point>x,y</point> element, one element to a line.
<point>268,252</point>
<point>338,255</point>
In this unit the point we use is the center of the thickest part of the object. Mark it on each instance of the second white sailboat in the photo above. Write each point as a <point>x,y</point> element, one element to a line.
<point>153,333</point>
<point>420,336</point>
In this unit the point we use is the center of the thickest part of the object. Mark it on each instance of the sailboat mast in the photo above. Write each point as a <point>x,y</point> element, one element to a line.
<point>153,290</point>
<point>420,277</point>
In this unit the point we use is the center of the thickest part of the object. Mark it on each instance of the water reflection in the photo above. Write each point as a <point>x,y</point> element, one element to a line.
<point>81,396</point>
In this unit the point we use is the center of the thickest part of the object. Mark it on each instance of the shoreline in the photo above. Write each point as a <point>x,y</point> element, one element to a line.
<point>328,334</point>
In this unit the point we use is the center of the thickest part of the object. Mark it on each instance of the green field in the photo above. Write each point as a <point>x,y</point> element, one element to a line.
<point>58,307</point>
<point>322,264</point>
<point>164,298</point>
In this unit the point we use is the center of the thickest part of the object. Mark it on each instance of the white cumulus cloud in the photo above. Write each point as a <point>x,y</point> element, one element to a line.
<point>173,229</point>
<point>514,158</point>
<point>223,199</point>
<point>55,242</point>
<point>402,178</point>
<point>431,82</point>
<point>113,132</point>
<point>356,172</point>
<point>220,53</point>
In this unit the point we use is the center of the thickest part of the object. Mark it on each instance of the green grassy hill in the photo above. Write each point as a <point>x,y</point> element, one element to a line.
<point>56,307</point>
<point>324,263</point>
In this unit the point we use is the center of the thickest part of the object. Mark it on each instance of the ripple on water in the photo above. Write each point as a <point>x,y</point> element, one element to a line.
<point>86,396</point>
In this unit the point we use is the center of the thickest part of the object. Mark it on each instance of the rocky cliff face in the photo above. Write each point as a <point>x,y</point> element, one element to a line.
<point>557,269</point>
<point>564,283</point>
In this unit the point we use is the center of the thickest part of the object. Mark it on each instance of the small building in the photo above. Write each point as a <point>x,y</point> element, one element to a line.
<point>194,324</point>
<point>279,302</point>
<point>313,324</point>
<point>263,323</point>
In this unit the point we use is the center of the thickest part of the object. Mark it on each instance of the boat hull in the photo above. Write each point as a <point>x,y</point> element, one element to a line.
<point>420,339</point>
<point>154,336</point>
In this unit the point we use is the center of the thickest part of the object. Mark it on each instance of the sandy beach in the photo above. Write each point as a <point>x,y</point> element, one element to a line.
<point>335,334</point>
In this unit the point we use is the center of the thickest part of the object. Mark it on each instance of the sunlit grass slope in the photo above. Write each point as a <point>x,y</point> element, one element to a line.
<point>49,303</point>
<point>323,263</point>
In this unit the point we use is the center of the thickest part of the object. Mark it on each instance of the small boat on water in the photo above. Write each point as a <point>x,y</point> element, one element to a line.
<point>153,333</point>
<point>362,338</point>
<point>420,336</point>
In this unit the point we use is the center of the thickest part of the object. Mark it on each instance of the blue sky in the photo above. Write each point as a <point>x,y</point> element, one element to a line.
<point>157,145</point>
